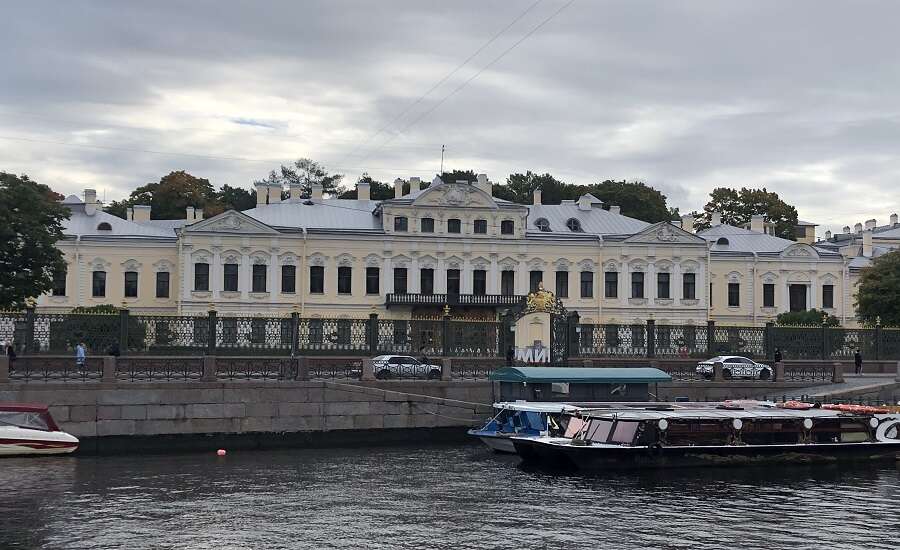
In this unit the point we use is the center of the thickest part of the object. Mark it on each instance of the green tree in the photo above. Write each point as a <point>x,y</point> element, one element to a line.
<point>808,318</point>
<point>378,191</point>
<point>306,172</point>
<point>454,176</point>
<point>520,188</point>
<point>30,225</point>
<point>234,198</point>
<point>878,291</point>
<point>637,200</point>
<point>737,207</point>
<point>170,196</point>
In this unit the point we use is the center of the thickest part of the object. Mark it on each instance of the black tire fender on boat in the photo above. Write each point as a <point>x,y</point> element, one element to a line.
<point>656,449</point>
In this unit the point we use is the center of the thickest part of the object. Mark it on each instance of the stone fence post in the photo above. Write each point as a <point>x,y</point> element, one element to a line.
<point>779,371</point>
<point>446,369</point>
<point>837,373</point>
<point>109,369</point>
<point>896,379</point>
<point>209,368</point>
<point>302,368</point>
<point>368,369</point>
<point>718,367</point>
<point>4,369</point>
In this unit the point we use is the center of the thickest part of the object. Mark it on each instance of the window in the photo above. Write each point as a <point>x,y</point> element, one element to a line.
<point>722,241</point>
<point>104,227</point>
<point>345,280</point>
<point>427,225</point>
<point>400,280</point>
<point>542,224</point>
<point>98,284</point>
<point>316,279</point>
<point>480,227</point>
<point>201,277</point>
<point>734,294</point>
<point>562,284</point>
<point>828,296</point>
<point>574,225</point>
<point>131,284</point>
<point>259,278</point>
<point>453,281</point>
<point>454,226</point>
<point>288,279</point>
<point>689,286</point>
<point>507,227</point>
<point>637,285</point>
<point>662,285</point>
<point>587,284</point>
<point>768,295</point>
<point>479,282</point>
<point>401,223</point>
<point>230,278</point>
<point>535,278</point>
<point>59,283</point>
<point>611,284</point>
<point>426,281</point>
<point>162,284</point>
<point>507,282</point>
<point>373,280</point>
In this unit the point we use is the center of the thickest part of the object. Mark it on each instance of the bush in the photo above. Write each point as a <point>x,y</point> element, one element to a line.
<point>808,318</point>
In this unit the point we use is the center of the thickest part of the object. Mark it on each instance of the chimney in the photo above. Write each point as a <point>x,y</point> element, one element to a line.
<point>130,214</point>
<point>615,210</point>
<point>198,214</point>
<point>362,191</point>
<point>262,192</point>
<point>398,188</point>
<point>893,219</point>
<point>274,193</point>
<point>857,228</point>
<point>189,213</point>
<point>296,191</point>
<point>141,213</point>
<point>847,229</point>
<point>828,235</point>
<point>415,184</point>
<point>715,219</point>
<point>90,201</point>
<point>484,183</point>
<point>316,192</point>
<point>871,224</point>
<point>584,203</point>
<point>867,243</point>
<point>537,196</point>
<point>687,223</point>
<point>437,181</point>
<point>758,223</point>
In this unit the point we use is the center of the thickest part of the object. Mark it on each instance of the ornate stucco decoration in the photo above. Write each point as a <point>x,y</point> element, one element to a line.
<point>373,260</point>
<point>131,265</point>
<point>345,260</point>
<point>317,259</point>
<point>543,301</point>
<point>665,233</point>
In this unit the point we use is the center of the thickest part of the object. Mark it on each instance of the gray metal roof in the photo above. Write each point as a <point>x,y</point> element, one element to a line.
<point>746,241</point>
<point>337,214</point>
<point>80,224</point>
<point>596,221</point>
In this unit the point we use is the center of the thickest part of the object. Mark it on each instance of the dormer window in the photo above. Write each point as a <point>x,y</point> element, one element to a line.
<point>542,224</point>
<point>454,225</point>
<point>104,226</point>
<point>401,223</point>
<point>427,225</point>
<point>480,227</point>
<point>507,227</point>
<point>722,241</point>
<point>574,225</point>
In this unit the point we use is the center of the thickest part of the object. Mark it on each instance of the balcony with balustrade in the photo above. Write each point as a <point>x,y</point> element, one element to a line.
<point>478,300</point>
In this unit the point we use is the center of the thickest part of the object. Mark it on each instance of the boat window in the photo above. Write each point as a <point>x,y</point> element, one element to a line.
<point>29,420</point>
<point>534,420</point>
<point>624,432</point>
<point>575,425</point>
<point>598,431</point>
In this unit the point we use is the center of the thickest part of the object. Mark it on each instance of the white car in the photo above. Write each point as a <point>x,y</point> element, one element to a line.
<point>734,366</point>
<point>403,366</point>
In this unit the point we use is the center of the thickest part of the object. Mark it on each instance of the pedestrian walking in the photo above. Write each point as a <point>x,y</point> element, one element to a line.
<point>857,360</point>
<point>510,356</point>
<point>778,355</point>
<point>80,354</point>
<point>10,350</point>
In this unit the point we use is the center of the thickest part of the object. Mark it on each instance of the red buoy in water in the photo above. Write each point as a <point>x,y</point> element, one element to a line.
<point>221,452</point>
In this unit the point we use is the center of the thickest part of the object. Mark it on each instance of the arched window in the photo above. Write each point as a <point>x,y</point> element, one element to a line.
<point>542,224</point>
<point>574,225</point>
<point>722,241</point>
<point>104,226</point>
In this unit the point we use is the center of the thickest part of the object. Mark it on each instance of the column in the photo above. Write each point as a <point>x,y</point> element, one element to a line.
<point>387,276</point>
<point>440,277</point>
<point>811,295</point>
<point>493,277</point>
<point>274,283</point>
<point>785,298</point>
<point>522,278</point>
<point>465,277</point>
<point>413,277</point>
<point>245,275</point>
<point>215,274</point>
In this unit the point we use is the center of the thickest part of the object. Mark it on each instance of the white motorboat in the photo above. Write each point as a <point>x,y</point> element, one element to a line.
<point>29,429</point>
<point>520,418</point>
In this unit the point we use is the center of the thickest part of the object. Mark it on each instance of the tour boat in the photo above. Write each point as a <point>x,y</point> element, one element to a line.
<point>706,436</point>
<point>521,418</point>
<point>28,429</point>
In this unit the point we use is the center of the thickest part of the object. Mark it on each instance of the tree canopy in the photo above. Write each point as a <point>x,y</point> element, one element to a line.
<point>737,207</point>
<point>173,193</point>
<point>378,190</point>
<point>809,317</point>
<point>878,292</point>
<point>30,224</point>
<point>306,172</point>
<point>637,200</point>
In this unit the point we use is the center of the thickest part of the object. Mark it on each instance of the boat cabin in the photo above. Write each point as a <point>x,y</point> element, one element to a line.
<point>578,384</point>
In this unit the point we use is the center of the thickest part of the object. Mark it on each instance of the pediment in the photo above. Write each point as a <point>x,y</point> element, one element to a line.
<point>664,233</point>
<point>455,195</point>
<point>231,222</point>
<point>800,251</point>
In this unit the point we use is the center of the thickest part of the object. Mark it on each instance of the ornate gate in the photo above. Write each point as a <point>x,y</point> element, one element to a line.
<point>559,338</point>
<point>543,301</point>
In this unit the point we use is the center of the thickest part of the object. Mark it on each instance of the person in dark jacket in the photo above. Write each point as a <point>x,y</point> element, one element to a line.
<point>10,352</point>
<point>778,355</point>
<point>857,360</point>
<point>510,356</point>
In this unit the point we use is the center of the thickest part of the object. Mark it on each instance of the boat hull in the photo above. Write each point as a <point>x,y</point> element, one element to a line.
<point>563,456</point>
<point>496,442</point>
<point>15,441</point>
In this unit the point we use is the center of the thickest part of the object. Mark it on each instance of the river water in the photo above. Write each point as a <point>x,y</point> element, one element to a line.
<point>459,496</point>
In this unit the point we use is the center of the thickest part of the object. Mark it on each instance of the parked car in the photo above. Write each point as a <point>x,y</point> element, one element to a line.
<point>403,366</point>
<point>734,366</point>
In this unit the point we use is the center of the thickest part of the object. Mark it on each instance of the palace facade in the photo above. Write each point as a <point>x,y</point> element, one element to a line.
<point>450,244</point>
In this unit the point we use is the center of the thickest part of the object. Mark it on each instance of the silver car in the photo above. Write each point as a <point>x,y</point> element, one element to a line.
<point>403,366</point>
<point>735,366</point>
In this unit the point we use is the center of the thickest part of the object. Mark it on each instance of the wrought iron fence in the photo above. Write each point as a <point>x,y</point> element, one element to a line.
<point>334,368</point>
<point>404,368</point>
<point>474,339</point>
<point>681,341</point>
<point>256,368</point>
<point>49,368</point>
<point>808,372</point>
<point>136,369</point>
<point>683,372</point>
<point>333,335</point>
<point>461,369</point>
<point>168,334</point>
<point>745,341</point>
<point>613,340</point>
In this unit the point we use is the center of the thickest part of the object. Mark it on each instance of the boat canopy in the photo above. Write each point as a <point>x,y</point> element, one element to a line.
<point>580,375</point>
<point>536,406</point>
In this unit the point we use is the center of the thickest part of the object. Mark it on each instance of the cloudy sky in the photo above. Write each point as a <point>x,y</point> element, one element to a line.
<point>799,97</point>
